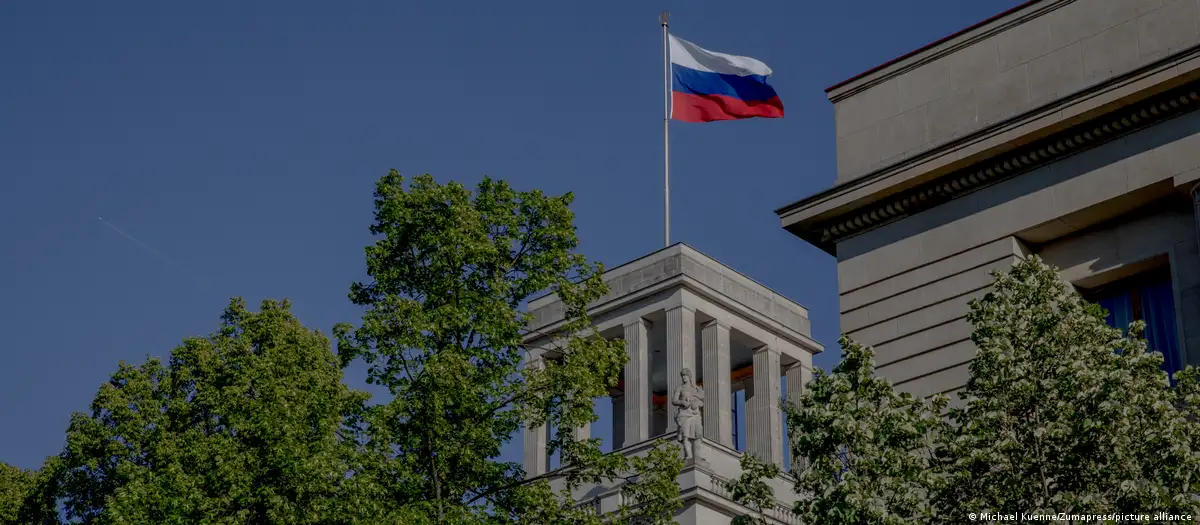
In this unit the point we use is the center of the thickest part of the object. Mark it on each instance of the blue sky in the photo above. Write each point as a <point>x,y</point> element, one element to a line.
<point>240,141</point>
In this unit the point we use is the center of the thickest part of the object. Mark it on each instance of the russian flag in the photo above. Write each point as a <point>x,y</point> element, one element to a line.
<point>709,86</point>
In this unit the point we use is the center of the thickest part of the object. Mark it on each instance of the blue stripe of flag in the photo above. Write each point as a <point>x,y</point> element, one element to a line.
<point>750,88</point>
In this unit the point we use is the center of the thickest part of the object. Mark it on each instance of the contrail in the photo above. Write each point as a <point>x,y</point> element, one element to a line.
<point>169,261</point>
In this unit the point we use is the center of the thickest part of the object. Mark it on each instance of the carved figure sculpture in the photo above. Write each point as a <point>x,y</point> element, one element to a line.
<point>689,399</point>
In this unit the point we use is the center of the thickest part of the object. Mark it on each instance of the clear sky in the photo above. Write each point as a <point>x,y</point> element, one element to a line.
<point>236,144</point>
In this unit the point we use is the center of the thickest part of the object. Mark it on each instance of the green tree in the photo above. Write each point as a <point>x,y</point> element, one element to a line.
<point>245,426</point>
<point>752,490</point>
<point>30,497</point>
<point>39,504</point>
<point>15,485</point>
<point>443,330</point>
<point>1066,414</point>
<point>869,450</point>
<point>1061,413</point>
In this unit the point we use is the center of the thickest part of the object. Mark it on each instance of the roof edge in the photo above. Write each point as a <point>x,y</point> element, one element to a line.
<point>825,232</point>
<point>547,296</point>
<point>931,45</point>
<point>680,246</point>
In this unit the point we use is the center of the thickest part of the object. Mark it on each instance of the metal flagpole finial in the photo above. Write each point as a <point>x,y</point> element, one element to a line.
<point>664,17</point>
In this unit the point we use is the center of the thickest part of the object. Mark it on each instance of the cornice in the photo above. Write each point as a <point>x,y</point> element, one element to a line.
<point>680,250</point>
<point>687,282</point>
<point>1002,167</point>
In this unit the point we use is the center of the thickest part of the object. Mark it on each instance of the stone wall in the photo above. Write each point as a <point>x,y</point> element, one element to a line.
<point>904,286</point>
<point>1023,61</point>
<point>916,320</point>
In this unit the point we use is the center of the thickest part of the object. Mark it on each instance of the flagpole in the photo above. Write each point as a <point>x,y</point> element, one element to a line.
<point>662,19</point>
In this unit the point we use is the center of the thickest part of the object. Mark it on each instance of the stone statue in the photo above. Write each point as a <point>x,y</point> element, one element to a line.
<point>689,399</point>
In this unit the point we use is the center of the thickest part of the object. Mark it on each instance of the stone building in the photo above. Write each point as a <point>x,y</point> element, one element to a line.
<point>678,308</point>
<point>1063,128</point>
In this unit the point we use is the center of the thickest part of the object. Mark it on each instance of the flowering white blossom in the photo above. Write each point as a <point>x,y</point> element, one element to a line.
<point>1066,413</point>
<point>1062,414</point>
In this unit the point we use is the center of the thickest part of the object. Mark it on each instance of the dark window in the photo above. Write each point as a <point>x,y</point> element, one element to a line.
<point>1148,298</point>
<point>738,396</point>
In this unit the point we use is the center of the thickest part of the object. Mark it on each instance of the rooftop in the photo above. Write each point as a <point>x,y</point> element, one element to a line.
<point>681,266</point>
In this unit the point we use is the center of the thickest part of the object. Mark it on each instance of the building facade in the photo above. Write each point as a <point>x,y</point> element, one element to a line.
<point>1062,128</point>
<point>679,309</point>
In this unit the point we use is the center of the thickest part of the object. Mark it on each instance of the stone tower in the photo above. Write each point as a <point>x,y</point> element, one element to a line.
<point>678,308</point>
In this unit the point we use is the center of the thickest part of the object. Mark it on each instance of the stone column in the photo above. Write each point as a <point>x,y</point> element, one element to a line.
<point>718,412</point>
<point>765,428</point>
<point>797,377</point>
<point>618,419</point>
<point>536,459</point>
<point>681,352</point>
<point>584,432</point>
<point>637,383</point>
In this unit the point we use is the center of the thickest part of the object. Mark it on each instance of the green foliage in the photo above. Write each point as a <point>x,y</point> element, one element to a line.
<point>15,484</point>
<point>1058,419</point>
<point>751,489</point>
<point>39,503</point>
<point>1061,414</point>
<point>869,449</point>
<point>252,424</point>
<point>240,427</point>
<point>444,331</point>
<point>652,489</point>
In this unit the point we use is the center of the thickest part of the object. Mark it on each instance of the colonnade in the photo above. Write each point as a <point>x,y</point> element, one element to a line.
<point>633,407</point>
